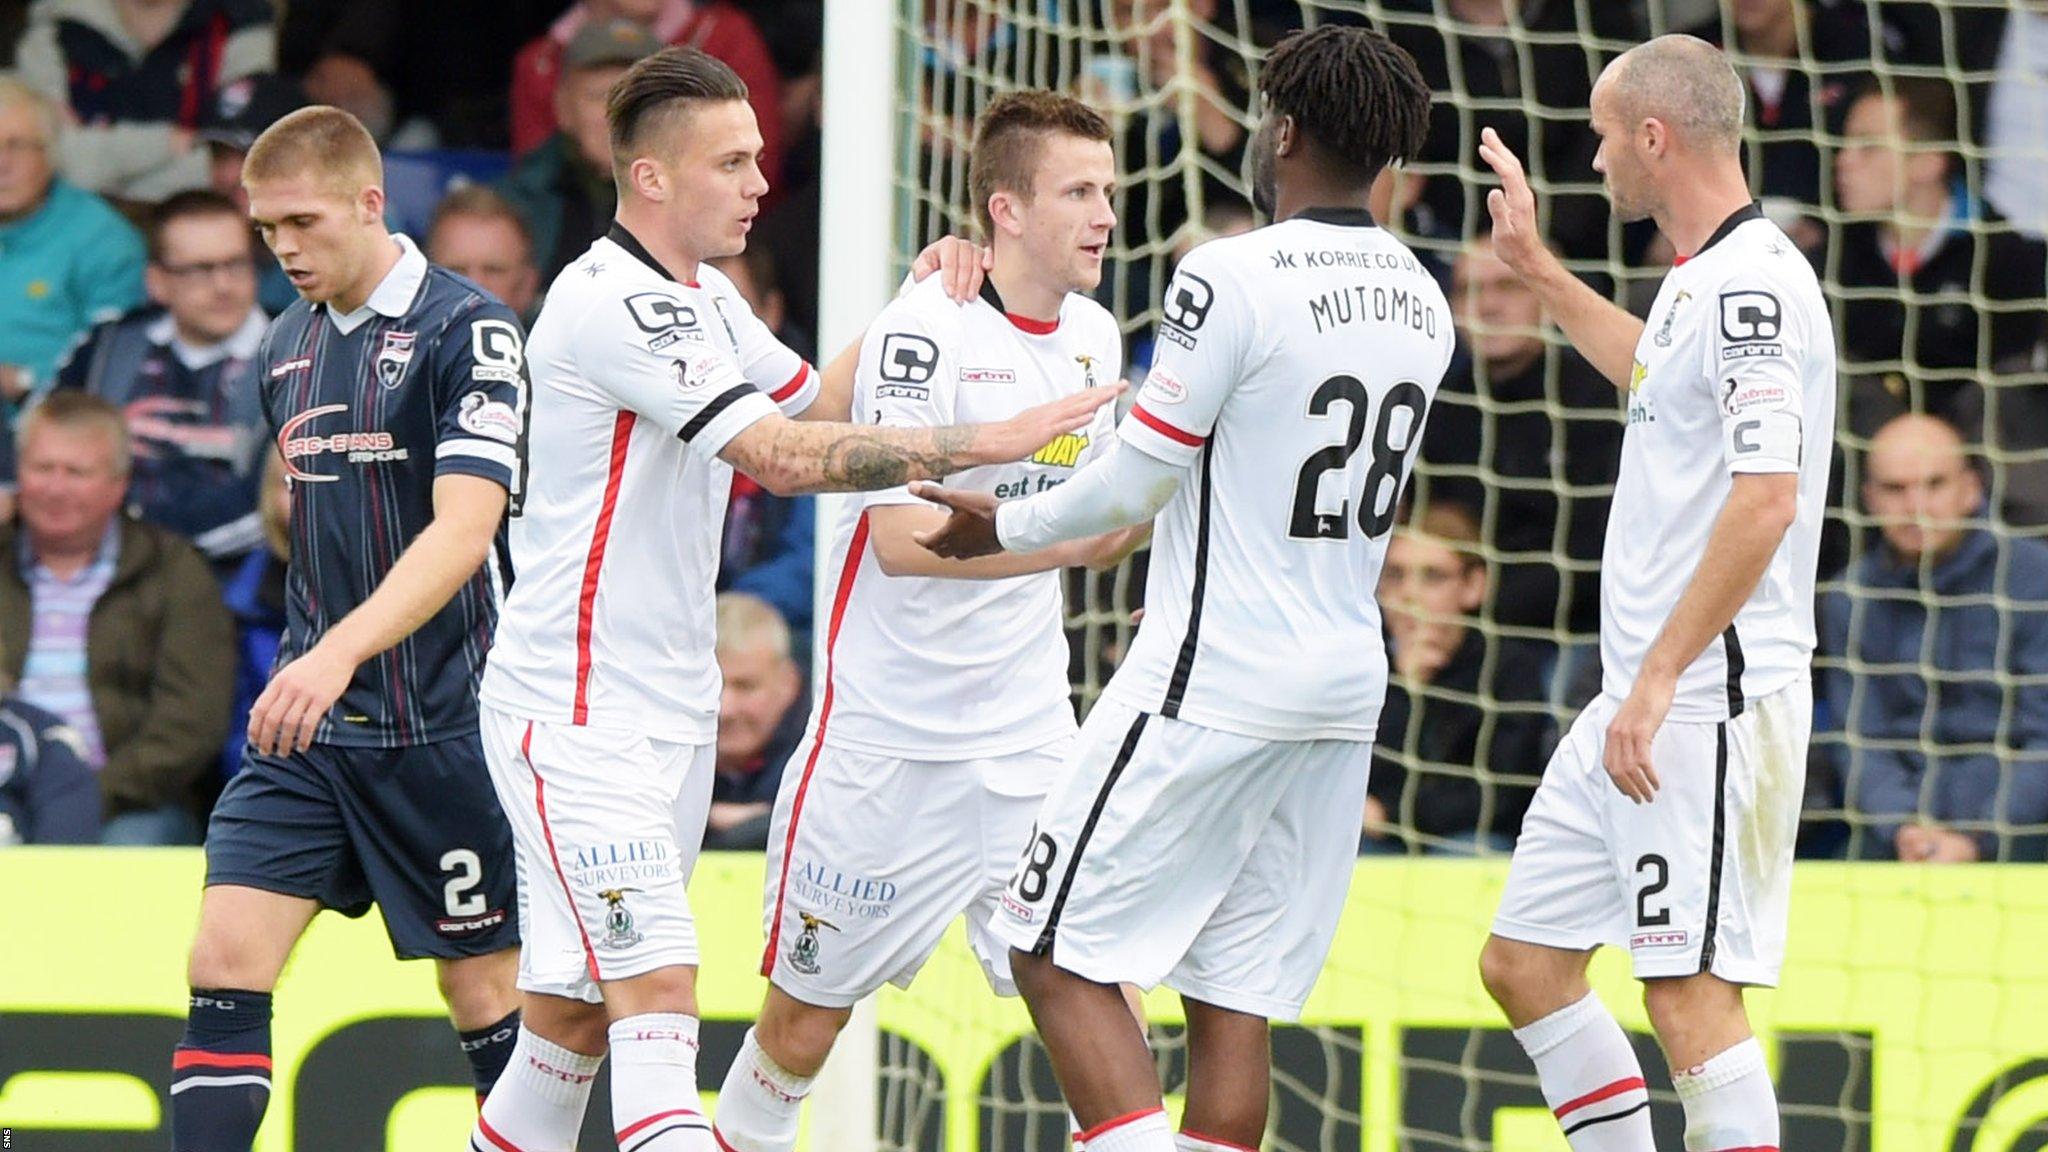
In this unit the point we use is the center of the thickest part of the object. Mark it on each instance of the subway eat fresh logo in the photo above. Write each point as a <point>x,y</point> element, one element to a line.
<point>1064,452</point>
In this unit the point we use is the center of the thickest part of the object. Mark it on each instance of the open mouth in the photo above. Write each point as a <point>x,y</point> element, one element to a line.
<point>1095,250</point>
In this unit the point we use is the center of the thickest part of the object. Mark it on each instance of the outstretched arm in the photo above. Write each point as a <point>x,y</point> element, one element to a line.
<point>894,530</point>
<point>789,458</point>
<point>1604,333</point>
<point>1125,488</point>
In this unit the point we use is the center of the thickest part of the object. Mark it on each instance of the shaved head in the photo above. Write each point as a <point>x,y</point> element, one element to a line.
<point>1920,486</point>
<point>1685,83</point>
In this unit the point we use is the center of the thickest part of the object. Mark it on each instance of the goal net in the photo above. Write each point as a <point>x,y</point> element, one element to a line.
<point>1899,1022</point>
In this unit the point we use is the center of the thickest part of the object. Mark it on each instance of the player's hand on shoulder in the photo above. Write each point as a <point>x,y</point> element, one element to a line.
<point>288,713</point>
<point>1630,736</point>
<point>962,263</point>
<point>1516,240</point>
<point>969,531</point>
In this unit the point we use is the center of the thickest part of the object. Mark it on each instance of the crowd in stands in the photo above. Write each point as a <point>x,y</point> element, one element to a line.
<point>1900,144</point>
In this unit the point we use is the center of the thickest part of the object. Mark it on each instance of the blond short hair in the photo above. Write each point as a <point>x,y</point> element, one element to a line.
<point>322,140</point>
<point>75,411</point>
<point>746,622</point>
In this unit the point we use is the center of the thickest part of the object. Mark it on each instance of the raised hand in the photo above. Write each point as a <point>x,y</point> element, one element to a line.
<point>1512,206</point>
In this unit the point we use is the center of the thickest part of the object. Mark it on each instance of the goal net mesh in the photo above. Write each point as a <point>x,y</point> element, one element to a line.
<point>1412,1056</point>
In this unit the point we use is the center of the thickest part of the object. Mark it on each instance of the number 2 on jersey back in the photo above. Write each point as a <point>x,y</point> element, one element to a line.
<point>1387,460</point>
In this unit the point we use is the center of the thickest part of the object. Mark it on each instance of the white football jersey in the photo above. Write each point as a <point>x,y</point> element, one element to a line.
<point>935,669</point>
<point>1735,372</point>
<point>639,381</point>
<point>1295,367</point>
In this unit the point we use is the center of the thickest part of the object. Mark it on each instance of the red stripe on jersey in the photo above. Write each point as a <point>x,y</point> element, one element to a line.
<point>1599,1094</point>
<point>795,382</point>
<point>540,807</point>
<point>718,1139</point>
<point>586,603</point>
<point>193,1058</point>
<point>854,550</point>
<point>491,1134</point>
<point>1165,429</point>
<point>1095,1133</point>
<point>639,1124</point>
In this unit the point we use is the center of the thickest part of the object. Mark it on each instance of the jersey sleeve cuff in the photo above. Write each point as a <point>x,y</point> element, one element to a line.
<point>797,394</point>
<point>1160,438</point>
<point>725,417</point>
<point>486,459</point>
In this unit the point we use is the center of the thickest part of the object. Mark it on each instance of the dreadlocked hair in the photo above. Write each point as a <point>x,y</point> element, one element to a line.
<point>1354,92</point>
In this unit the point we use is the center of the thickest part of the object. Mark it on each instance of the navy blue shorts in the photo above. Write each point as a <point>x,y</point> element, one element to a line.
<point>415,830</point>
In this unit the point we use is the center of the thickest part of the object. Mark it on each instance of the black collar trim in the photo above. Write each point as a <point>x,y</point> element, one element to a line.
<point>994,298</point>
<point>1742,215</point>
<point>617,234</point>
<point>1343,217</point>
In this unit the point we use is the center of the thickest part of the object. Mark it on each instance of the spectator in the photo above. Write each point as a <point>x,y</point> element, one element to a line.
<point>1400,202</point>
<point>1939,676</point>
<point>390,63</point>
<point>753,273</point>
<point>67,260</point>
<point>126,638</point>
<point>564,187</point>
<point>1800,61</point>
<point>1530,434</point>
<point>1538,57</point>
<point>47,794</point>
<point>255,595</point>
<point>345,53</point>
<point>183,372</point>
<point>1922,260</point>
<point>479,234</point>
<point>137,77</point>
<point>1463,728</point>
<point>244,109</point>
<point>715,26</point>
<point>1999,53</point>
<point>761,719</point>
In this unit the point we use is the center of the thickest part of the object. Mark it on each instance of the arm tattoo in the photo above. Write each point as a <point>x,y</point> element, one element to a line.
<point>866,459</point>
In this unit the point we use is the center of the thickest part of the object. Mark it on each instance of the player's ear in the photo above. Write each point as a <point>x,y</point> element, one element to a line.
<point>1655,137</point>
<point>648,179</point>
<point>370,204</point>
<point>1285,134</point>
<point>1004,214</point>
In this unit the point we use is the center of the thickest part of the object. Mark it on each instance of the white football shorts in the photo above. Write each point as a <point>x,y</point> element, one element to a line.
<point>871,857</point>
<point>1699,879</point>
<point>607,825</point>
<point>1214,863</point>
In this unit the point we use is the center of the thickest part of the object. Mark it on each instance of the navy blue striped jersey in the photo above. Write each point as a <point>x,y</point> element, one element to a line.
<point>427,378</point>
